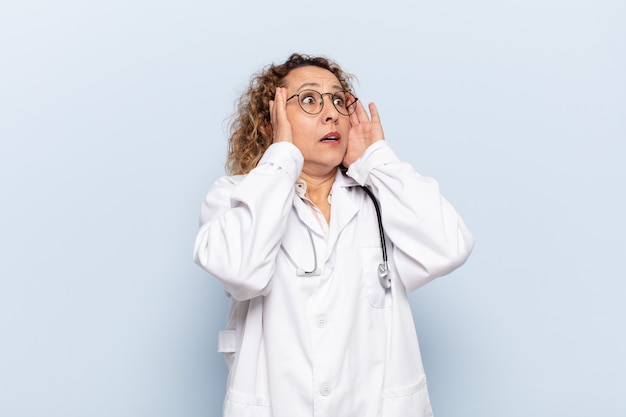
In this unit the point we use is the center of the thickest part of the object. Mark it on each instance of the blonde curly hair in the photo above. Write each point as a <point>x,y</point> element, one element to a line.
<point>250,126</point>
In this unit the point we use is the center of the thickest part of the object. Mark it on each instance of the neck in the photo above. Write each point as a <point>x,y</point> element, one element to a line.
<point>317,190</point>
<point>318,187</point>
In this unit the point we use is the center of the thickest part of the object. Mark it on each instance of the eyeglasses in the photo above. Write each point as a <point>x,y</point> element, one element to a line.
<point>312,102</point>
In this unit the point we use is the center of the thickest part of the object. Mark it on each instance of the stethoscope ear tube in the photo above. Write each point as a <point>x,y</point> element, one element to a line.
<point>383,268</point>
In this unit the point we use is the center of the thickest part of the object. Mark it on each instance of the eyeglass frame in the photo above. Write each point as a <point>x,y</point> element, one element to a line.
<point>332,95</point>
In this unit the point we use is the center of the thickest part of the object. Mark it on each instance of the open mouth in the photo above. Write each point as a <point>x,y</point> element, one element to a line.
<point>331,137</point>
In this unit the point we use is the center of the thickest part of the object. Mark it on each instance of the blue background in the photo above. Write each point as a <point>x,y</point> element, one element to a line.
<point>113,120</point>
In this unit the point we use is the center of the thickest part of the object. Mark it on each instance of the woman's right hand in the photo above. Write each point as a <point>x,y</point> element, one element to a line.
<point>278,116</point>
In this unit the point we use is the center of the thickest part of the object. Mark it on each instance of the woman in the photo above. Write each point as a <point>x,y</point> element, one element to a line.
<point>314,328</point>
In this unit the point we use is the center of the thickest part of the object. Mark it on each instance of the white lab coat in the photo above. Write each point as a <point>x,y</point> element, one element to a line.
<point>337,344</point>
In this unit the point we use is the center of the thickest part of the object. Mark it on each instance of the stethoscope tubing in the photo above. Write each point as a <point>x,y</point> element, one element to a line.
<point>383,268</point>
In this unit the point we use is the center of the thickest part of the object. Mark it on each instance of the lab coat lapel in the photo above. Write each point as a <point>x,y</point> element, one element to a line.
<point>305,215</point>
<point>343,207</point>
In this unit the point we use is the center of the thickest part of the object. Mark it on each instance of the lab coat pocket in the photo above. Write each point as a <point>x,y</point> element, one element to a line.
<point>239,404</point>
<point>371,258</point>
<point>412,400</point>
<point>227,344</point>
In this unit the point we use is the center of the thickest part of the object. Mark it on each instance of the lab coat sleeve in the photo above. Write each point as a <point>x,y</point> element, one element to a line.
<point>429,239</point>
<point>243,220</point>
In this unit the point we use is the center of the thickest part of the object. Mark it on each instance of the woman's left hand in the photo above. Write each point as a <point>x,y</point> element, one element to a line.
<point>363,132</point>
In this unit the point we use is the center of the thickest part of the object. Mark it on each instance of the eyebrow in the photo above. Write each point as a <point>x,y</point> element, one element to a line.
<point>314,84</point>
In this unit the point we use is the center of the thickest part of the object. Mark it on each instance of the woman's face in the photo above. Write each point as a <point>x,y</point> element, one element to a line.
<point>322,138</point>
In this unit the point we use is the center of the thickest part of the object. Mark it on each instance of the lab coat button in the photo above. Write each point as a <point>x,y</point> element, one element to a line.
<point>325,390</point>
<point>322,321</point>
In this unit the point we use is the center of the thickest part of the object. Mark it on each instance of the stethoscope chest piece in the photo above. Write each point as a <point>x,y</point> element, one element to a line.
<point>383,275</point>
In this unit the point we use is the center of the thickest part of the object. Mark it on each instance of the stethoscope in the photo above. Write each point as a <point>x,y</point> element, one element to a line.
<point>383,268</point>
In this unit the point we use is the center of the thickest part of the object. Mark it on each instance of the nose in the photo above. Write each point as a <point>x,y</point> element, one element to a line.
<point>329,112</point>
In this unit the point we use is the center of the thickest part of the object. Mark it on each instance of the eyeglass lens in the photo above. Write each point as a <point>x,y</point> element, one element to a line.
<point>312,102</point>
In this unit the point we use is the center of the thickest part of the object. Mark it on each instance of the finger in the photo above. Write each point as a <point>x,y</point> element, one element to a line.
<point>361,112</point>
<point>273,121</point>
<point>352,116</point>
<point>357,116</point>
<point>281,103</point>
<point>374,113</point>
<point>281,126</point>
<point>354,119</point>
